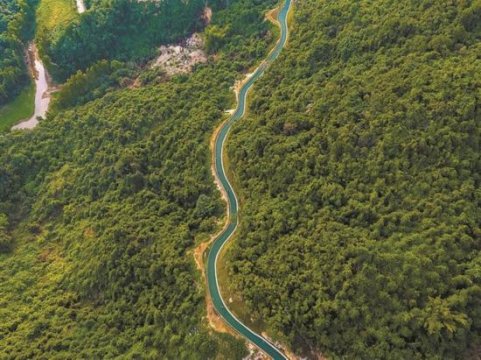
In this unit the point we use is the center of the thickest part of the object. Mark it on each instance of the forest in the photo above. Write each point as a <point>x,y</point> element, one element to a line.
<point>122,30</point>
<point>359,172</point>
<point>16,19</point>
<point>102,204</point>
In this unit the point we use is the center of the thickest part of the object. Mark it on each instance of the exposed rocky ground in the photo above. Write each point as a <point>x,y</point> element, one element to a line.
<point>181,58</point>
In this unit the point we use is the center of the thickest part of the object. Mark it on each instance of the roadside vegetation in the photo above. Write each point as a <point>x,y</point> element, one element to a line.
<point>359,170</point>
<point>102,204</point>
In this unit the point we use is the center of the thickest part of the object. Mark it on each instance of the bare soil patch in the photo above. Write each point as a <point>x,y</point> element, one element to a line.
<point>181,58</point>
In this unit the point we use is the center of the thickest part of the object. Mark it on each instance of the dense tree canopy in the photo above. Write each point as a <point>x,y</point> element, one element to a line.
<point>100,208</point>
<point>359,168</point>
<point>16,18</point>
<point>118,29</point>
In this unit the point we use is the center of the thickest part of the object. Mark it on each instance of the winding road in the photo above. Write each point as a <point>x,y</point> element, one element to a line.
<point>233,207</point>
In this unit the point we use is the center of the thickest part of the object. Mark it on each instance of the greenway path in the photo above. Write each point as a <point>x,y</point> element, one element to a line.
<point>233,207</point>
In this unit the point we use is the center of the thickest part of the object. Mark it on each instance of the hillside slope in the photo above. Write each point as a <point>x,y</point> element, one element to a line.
<point>101,205</point>
<point>117,29</point>
<point>359,170</point>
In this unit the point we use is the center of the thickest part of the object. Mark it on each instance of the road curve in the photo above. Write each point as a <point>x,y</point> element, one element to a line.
<point>265,345</point>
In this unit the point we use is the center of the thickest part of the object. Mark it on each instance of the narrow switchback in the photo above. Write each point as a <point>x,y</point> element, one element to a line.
<point>233,207</point>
